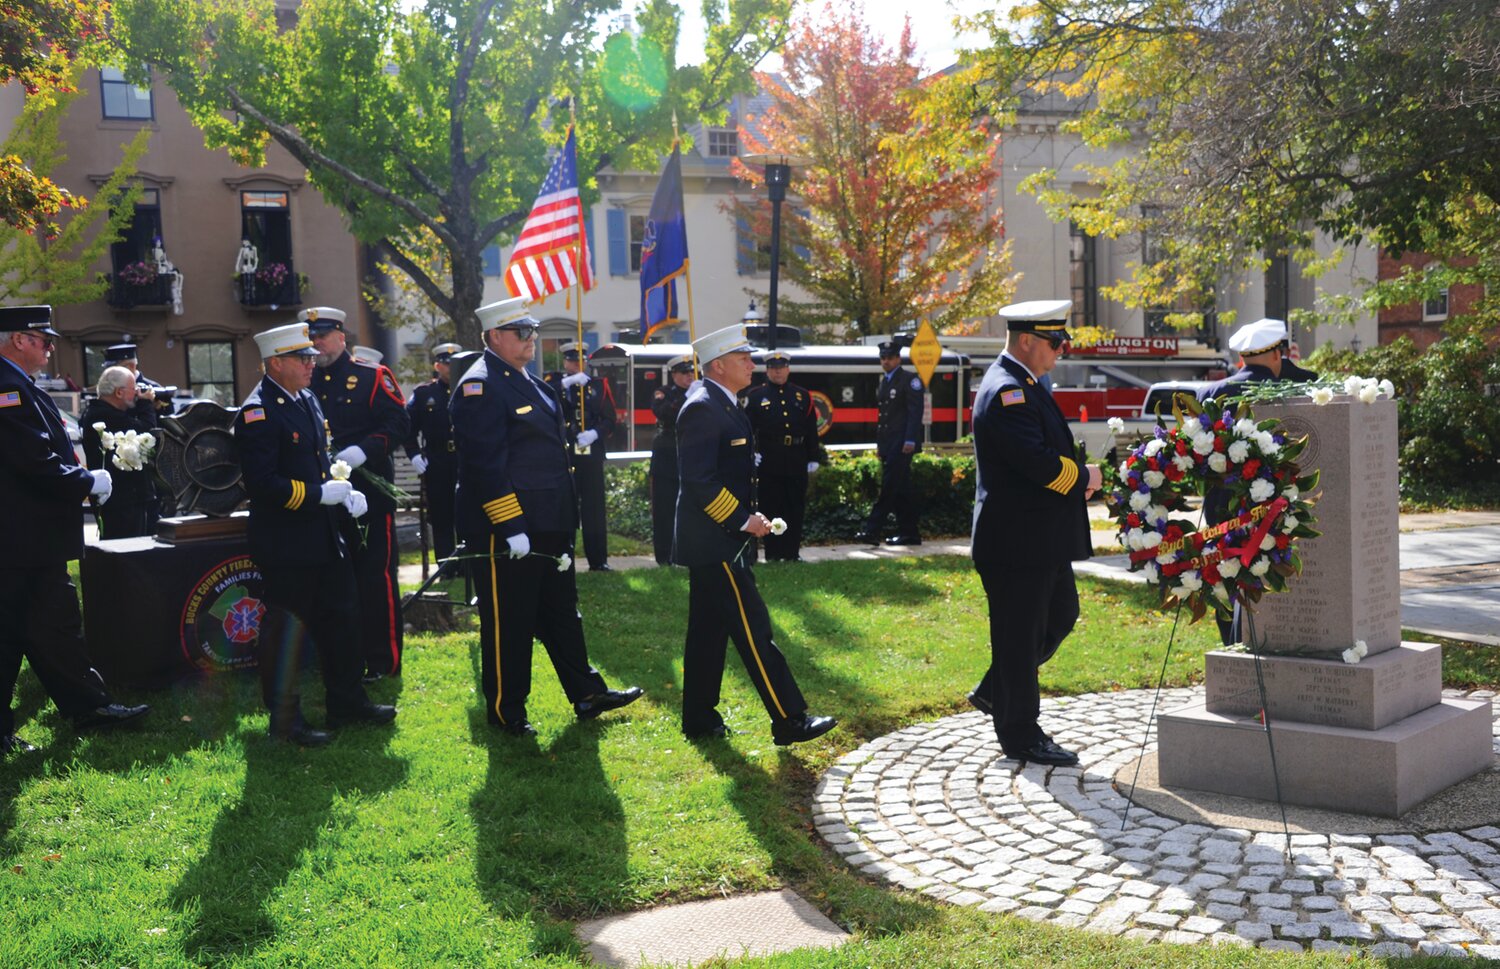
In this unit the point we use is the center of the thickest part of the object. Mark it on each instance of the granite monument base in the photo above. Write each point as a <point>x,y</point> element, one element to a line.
<point>1384,772</point>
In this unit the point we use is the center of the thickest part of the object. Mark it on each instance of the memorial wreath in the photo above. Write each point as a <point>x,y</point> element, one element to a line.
<point>1248,470</point>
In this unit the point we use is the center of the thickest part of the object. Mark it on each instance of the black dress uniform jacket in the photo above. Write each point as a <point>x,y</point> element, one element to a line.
<point>130,487</point>
<point>786,427</point>
<point>1028,495</point>
<point>900,412</point>
<point>715,462</point>
<point>42,483</point>
<point>430,431</point>
<point>665,404</point>
<point>364,408</point>
<point>589,409</point>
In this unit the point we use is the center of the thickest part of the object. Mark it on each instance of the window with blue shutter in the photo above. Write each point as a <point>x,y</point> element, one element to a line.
<point>491,255</point>
<point>619,243</point>
<point>588,230</point>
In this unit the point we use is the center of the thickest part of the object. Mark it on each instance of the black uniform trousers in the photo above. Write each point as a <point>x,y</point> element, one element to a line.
<point>783,496</point>
<point>124,521</point>
<point>39,620</point>
<point>1032,610</point>
<point>522,599</point>
<point>724,604</point>
<point>588,478</point>
<point>440,487</point>
<point>379,622</point>
<point>896,495</point>
<point>303,601</point>
<point>663,502</point>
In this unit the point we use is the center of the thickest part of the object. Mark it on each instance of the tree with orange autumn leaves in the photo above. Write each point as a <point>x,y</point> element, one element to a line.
<point>40,41</point>
<point>895,219</point>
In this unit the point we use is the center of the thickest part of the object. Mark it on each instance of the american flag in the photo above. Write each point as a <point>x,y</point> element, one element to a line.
<point>552,253</point>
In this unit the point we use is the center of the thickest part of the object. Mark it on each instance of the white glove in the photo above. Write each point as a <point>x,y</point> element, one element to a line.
<point>356,503</point>
<point>102,487</point>
<point>575,380</point>
<point>419,463</point>
<point>334,492</point>
<point>812,466</point>
<point>354,454</point>
<point>520,546</point>
<point>757,459</point>
<point>585,438</point>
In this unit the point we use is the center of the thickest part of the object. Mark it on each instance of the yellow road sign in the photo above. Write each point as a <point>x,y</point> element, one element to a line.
<point>925,352</point>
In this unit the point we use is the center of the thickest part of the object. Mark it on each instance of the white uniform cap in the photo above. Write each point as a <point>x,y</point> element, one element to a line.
<point>323,317</point>
<point>579,350</point>
<point>1258,337</point>
<point>504,313</point>
<point>676,362</point>
<point>778,357</point>
<point>1041,316</point>
<point>369,354</point>
<point>731,339</point>
<point>289,339</point>
<point>443,351</point>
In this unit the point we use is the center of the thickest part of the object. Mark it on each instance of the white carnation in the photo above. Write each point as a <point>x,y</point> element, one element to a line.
<point>1133,538</point>
<point>1388,388</point>
<point>1153,574</point>
<point>148,441</point>
<point>1321,396</point>
<point>1352,385</point>
<point>1154,446</point>
<point>1289,524</point>
<point>1361,648</point>
<point>1192,581</point>
<point>1229,568</point>
<point>1150,539</point>
<point>1267,543</point>
<point>1217,462</point>
<point>1154,479</point>
<point>1116,425</point>
<point>1238,452</point>
<point>1203,443</point>
<point>1261,566</point>
<point>1261,490</point>
<point>1156,513</point>
<point>1244,427</point>
<point>1139,500</point>
<point>98,427</point>
<point>1166,558</point>
<point>1183,463</point>
<point>1369,393</point>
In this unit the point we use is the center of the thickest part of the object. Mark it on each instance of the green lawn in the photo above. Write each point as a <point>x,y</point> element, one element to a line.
<point>437,842</point>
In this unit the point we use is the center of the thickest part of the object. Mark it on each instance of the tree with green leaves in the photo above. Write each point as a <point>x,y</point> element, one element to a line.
<point>58,269</point>
<point>897,220</point>
<point>1258,124</point>
<point>439,115</point>
<point>41,42</point>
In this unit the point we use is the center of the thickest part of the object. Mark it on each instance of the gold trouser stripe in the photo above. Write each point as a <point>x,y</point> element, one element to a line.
<point>495,625</point>
<point>1066,478</point>
<point>722,506</point>
<point>751,640</point>
<point>299,495</point>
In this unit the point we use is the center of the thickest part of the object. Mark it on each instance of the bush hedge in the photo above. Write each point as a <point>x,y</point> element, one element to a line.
<point>838,500</point>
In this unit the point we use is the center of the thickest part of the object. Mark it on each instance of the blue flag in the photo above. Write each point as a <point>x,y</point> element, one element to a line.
<point>664,251</point>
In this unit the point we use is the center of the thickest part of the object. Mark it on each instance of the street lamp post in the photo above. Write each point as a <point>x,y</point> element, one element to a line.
<point>778,167</point>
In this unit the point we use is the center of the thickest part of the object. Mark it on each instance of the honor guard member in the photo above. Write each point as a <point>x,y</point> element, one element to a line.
<point>517,510</point>
<point>786,452</point>
<point>1030,525</point>
<point>152,401</point>
<point>114,411</point>
<point>301,535</point>
<point>429,445</point>
<point>665,404</point>
<point>591,419</point>
<point>1259,346</point>
<point>716,519</point>
<point>367,416</point>
<point>1289,368</point>
<point>42,490</point>
<point>897,437</point>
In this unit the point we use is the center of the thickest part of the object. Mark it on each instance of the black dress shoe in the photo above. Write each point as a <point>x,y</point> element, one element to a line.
<point>712,733</point>
<point>369,713</point>
<point>1046,751</point>
<point>303,736</point>
<point>600,568</point>
<point>804,728</point>
<point>981,703</point>
<point>904,540</point>
<point>606,701</point>
<point>516,728</point>
<point>867,538</point>
<point>11,744</point>
<point>109,715</point>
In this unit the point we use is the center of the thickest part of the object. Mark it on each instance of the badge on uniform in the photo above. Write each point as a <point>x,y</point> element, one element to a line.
<point>473,389</point>
<point>523,410</point>
<point>253,414</point>
<point>765,402</point>
<point>916,383</point>
<point>351,383</point>
<point>11,399</point>
<point>1016,396</point>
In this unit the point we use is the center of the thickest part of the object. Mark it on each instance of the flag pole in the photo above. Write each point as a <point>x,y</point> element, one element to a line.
<point>583,390</point>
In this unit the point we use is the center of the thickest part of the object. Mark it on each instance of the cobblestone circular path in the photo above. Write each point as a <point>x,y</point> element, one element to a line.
<point>935,808</point>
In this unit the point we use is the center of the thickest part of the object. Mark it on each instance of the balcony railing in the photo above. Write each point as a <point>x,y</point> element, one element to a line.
<point>257,290</point>
<point>125,295</point>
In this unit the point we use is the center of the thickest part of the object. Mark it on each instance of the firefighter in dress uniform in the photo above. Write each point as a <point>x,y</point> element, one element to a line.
<point>153,401</point>
<point>1030,525</point>
<point>367,416</point>
<point>116,409</point>
<point>715,521</point>
<point>42,490</point>
<point>429,445</point>
<point>898,436</point>
<point>301,531</point>
<point>591,418</point>
<point>665,404</point>
<point>517,510</point>
<point>786,452</point>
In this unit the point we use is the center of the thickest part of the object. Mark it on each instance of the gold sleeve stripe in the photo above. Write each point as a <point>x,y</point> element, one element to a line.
<point>299,495</point>
<point>1066,478</point>
<point>503,509</point>
<point>723,506</point>
<point>509,499</point>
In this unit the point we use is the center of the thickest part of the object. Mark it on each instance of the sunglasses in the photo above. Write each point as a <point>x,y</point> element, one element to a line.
<point>1056,342</point>
<point>47,341</point>
<point>523,331</point>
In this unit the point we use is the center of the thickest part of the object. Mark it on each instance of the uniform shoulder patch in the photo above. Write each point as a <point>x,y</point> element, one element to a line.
<point>10,398</point>
<point>253,414</point>
<point>916,383</point>
<point>1013,396</point>
<point>473,388</point>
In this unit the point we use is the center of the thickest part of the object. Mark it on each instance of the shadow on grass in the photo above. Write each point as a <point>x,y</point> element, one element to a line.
<point>284,807</point>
